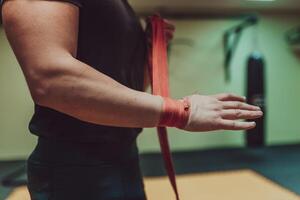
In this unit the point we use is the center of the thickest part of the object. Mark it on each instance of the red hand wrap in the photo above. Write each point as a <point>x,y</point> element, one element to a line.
<point>158,68</point>
<point>175,113</point>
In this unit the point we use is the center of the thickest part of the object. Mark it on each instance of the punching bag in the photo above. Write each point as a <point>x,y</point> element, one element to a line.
<point>256,96</point>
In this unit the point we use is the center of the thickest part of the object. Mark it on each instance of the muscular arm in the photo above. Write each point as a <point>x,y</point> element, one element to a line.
<point>43,35</point>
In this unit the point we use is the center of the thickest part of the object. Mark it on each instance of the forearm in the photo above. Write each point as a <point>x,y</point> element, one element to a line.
<point>82,92</point>
<point>44,40</point>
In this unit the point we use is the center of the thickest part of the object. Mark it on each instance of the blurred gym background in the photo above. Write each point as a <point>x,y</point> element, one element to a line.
<point>248,47</point>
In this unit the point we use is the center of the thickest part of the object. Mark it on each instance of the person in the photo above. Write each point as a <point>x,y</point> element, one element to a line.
<point>84,63</point>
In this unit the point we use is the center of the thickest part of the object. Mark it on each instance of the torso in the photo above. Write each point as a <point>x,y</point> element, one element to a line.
<point>112,41</point>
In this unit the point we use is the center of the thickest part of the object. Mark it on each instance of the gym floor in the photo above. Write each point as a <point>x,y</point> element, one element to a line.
<point>280,164</point>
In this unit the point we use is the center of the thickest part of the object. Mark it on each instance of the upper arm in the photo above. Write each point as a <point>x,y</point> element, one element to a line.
<point>40,32</point>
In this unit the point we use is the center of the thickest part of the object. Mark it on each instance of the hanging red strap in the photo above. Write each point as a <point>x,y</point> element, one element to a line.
<point>158,67</point>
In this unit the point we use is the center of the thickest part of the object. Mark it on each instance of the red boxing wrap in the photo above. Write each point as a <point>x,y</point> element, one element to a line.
<point>175,113</point>
<point>158,70</point>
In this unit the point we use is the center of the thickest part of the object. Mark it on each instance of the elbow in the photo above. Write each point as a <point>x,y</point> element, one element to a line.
<point>45,80</point>
<point>39,93</point>
<point>39,89</point>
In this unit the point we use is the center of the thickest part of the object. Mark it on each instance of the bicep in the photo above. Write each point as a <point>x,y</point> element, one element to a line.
<point>40,31</point>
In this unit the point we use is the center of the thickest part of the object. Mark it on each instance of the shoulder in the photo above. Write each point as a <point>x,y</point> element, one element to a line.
<point>78,3</point>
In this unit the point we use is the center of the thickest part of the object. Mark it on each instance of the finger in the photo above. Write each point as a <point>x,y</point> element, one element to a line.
<point>236,125</point>
<point>239,105</point>
<point>169,25</point>
<point>241,114</point>
<point>229,97</point>
<point>169,36</point>
<point>169,33</point>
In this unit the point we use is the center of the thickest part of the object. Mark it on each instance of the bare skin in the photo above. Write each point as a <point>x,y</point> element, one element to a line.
<point>43,35</point>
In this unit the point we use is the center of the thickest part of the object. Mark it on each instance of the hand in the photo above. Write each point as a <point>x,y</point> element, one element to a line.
<point>220,112</point>
<point>169,30</point>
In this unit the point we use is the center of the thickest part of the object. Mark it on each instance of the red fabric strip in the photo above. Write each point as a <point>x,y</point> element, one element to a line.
<point>175,113</point>
<point>158,66</point>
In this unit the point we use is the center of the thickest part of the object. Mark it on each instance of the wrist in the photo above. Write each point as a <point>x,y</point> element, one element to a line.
<point>175,113</point>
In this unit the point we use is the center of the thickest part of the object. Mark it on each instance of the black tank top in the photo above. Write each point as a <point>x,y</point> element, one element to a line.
<point>112,41</point>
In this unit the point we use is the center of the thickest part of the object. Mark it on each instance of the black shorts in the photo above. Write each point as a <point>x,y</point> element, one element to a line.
<point>60,170</point>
